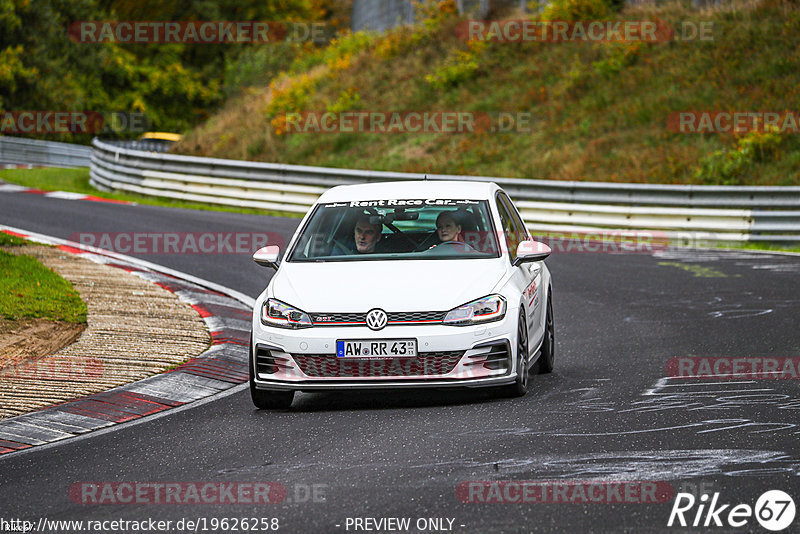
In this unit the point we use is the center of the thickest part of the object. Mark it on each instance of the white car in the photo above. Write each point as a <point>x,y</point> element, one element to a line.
<point>403,285</point>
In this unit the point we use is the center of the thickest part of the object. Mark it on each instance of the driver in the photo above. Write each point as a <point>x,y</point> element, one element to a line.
<point>366,235</point>
<point>447,228</point>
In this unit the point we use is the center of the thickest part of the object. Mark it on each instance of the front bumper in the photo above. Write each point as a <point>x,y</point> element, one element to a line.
<point>325,385</point>
<point>448,356</point>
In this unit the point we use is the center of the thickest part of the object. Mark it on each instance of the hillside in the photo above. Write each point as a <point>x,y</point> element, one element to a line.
<point>49,63</point>
<point>599,110</point>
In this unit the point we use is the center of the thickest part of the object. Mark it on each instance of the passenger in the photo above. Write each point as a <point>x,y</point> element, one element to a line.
<point>366,235</point>
<point>447,228</point>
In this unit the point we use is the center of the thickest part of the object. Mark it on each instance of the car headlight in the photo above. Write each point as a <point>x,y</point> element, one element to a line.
<point>276,313</point>
<point>487,309</point>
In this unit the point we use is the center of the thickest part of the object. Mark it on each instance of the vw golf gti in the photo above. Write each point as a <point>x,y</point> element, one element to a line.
<point>403,285</point>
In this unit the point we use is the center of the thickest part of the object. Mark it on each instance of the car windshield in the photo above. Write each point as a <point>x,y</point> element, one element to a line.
<point>397,229</point>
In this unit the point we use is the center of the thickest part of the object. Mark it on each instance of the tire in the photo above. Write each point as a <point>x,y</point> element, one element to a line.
<point>267,400</point>
<point>548,356</point>
<point>520,386</point>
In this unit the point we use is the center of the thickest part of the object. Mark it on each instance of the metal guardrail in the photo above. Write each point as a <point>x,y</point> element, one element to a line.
<point>148,145</point>
<point>21,151</point>
<point>692,213</point>
<point>380,15</point>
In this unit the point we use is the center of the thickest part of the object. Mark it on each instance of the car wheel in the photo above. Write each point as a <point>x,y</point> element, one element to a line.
<point>548,357</point>
<point>267,400</point>
<point>520,386</point>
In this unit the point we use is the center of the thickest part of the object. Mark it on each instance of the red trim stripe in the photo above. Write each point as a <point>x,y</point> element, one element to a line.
<point>71,250</point>
<point>13,445</point>
<point>201,310</point>
<point>9,232</point>
<point>109,200</point>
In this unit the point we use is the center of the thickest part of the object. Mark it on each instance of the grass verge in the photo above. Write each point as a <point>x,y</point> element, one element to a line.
<point>28,289</point>
<point>7,240</point>
<point>766,247</point>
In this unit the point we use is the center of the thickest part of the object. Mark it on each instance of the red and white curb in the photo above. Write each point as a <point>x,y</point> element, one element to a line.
<point>64,195</point>
<point>223,366</point>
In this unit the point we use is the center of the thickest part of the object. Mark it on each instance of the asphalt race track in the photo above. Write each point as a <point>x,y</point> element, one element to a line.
<point>610,412</point>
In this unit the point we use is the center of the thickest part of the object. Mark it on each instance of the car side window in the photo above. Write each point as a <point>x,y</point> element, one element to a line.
<point>509,229</point>
<point>522,230</point>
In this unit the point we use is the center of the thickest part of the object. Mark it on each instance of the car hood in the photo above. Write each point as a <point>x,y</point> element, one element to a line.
<point>399,285</point>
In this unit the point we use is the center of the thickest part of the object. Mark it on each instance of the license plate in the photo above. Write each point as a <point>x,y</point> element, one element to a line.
<point>377,348</point>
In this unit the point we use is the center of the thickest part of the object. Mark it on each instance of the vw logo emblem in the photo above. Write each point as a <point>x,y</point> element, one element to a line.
<point>376,319</point>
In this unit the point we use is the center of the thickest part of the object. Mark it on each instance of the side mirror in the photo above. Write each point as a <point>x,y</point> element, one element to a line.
<point>268,256</point>
<point>530,251</point>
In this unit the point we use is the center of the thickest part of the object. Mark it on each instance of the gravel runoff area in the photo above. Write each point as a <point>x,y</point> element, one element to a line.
<point>135,329</point>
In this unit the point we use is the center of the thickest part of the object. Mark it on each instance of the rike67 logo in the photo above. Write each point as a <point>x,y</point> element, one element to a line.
<point>774,510</point>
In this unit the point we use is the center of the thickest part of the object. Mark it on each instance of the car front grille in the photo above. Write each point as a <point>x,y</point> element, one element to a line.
<point>338,319</point>
<point>360,319</point>
<point>415,317</point>
<point>329,366</point>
